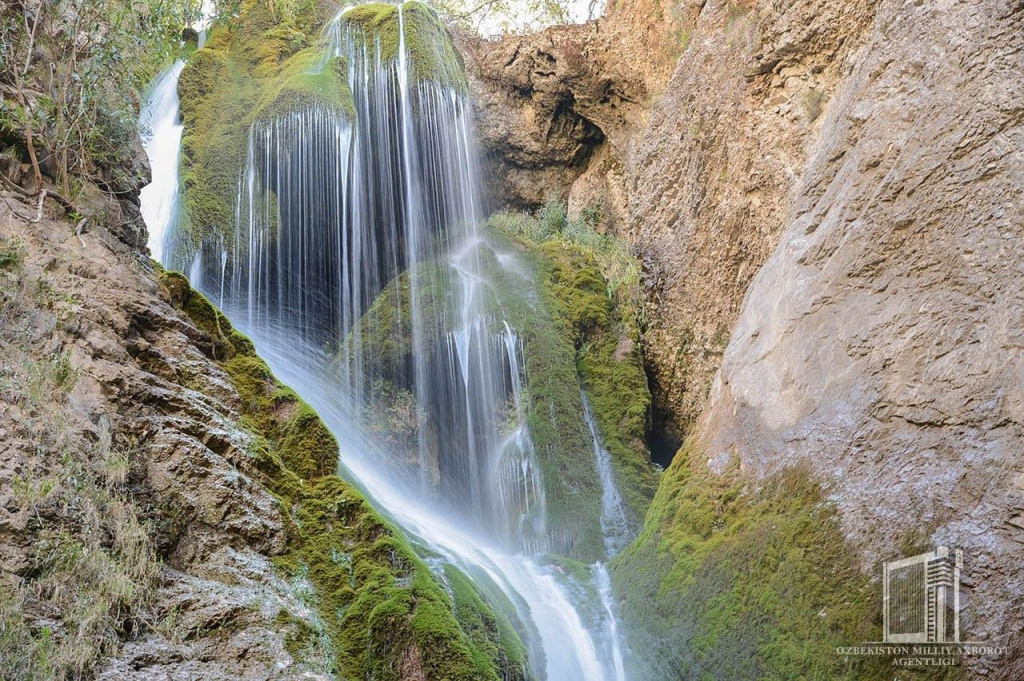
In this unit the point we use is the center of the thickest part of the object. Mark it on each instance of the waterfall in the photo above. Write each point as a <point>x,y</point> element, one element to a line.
<point>610,632</point>
<point>614,523</point>
<point>356,265</point>
<point>617,535</point>
<point>160,128</point>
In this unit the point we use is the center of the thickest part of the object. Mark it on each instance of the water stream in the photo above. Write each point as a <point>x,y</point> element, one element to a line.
<point>357,268</point>
<point>617,535</point>
<point>161,128</point>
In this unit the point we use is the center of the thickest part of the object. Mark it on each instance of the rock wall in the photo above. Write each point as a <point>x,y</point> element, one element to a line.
<point>143,395</point>
<point>880,341</point>
<point>551,105</point>
<point>825,200</point>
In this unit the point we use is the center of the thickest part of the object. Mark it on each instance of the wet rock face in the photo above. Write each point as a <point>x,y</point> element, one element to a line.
<point>140,365</point>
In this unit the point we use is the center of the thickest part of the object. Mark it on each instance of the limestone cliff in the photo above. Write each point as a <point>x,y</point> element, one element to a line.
<point>825,200</point>
<point>879,341</point>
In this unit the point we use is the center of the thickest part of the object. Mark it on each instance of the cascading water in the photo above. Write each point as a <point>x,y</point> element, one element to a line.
<point>161,128</point>
<point>614,523</point>
<point>617,535</point>
<point>356,266</point>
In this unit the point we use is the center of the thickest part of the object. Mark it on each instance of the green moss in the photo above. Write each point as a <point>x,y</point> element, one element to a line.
<point>267,63</point>
<point>576,336</point>
<point>554,407</point>
<point>585,333</point>
<point>731,581</point>
<point>308,78</point>
<point>270,61</point>
<point>489,629</point>
<point>430,46</point>
<point>306,446</point>
<point>384,332</point>
<point>217,99</point>
<point>300,637</point>
<point>381,605</point>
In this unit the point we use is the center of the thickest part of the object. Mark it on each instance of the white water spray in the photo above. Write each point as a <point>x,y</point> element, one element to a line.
<point>161,130</point>
<point>617,535</point>
<point>614,523</point>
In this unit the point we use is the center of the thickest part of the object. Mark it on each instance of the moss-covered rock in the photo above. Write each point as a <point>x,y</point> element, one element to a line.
<point>577,337</point>
<point>310,78</point>
<point>385,331</point>
<point>269,62</point>
<point>582,335</point>
<point>387,614</point>
<point>429,44</point>
<point>554,407</point>
<point>489,628</point>
<point>737,581</point>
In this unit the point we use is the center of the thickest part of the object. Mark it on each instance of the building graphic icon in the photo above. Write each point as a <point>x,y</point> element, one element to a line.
<point>921,598</point>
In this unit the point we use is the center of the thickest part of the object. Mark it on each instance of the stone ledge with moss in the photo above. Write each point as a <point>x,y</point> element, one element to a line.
<point>428,41</point>
<point>387,614</point>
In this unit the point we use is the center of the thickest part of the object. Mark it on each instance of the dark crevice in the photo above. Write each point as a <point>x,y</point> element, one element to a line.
<point>663,440</point>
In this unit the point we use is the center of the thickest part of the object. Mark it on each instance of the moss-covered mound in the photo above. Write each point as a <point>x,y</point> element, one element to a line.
<point>554,406</point>
<point>732,581</point>
<point>429,44</point>
<point>578,336</point>
<point>388,615</point>
<point>385,331</point>
<point>583,334</point>
<point>268,62</point>
<point>307,79</point>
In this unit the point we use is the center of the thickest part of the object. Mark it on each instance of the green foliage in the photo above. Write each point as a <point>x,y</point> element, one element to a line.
<point>729,580</point>
<point>50,380</point>
<point>381,605</point>
<point>619,267</point>
<point>11,255</point>
<point>75,100</point>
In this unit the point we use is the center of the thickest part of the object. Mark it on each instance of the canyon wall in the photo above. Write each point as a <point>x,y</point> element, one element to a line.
<point>825,199</point>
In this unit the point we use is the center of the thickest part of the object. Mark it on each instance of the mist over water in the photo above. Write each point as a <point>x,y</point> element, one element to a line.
<point>357,267</point>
